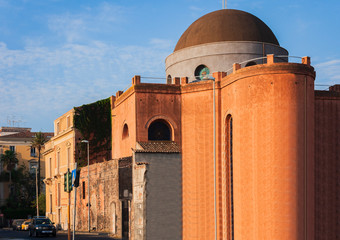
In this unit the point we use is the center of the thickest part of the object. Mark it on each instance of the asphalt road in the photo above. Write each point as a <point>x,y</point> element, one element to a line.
<point>20,235</point>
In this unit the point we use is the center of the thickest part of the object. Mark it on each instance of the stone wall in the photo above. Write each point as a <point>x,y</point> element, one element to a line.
<point>105,208</point>
<point>138,214</point>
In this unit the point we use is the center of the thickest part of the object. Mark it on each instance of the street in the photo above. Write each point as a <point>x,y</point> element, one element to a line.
<point>19,235</point>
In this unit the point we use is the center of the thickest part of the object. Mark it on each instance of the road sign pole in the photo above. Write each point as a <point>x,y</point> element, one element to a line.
<point>68,207</point>
<point>75,204</point>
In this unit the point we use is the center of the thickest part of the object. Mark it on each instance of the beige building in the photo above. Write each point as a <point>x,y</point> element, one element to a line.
<point>102,190</point>
<point>19,140</point>
<point>59,156</point>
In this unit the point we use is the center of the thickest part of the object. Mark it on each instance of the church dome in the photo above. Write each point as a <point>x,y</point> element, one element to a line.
<point>226,25</point>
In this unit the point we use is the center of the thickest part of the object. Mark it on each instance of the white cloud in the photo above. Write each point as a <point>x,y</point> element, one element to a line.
<point>161,43</point>
<point>195,9</point>
<point>329,63</point>
<point>85,24</point>
<point>4,3</point>
<point>241,3</point>
<point>67,26</point>
<point>109,13</point>
<point>328,72</point>
<point>42,83</point>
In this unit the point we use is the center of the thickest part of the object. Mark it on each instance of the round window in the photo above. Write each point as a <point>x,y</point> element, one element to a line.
<point>202,72</point>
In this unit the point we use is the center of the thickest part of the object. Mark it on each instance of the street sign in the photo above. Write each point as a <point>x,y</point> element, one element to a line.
<point>74,175</point>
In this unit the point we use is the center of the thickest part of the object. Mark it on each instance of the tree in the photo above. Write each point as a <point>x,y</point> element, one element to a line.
<point>23,183</point>
<point>38,142</point>
<point>18,204</point>
<point>9,160</point>
<point>42,204</point>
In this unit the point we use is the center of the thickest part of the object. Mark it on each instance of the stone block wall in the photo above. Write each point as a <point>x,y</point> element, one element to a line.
<point>105,206</point>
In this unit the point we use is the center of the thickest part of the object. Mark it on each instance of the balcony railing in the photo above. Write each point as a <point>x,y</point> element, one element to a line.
<point>264,60</point>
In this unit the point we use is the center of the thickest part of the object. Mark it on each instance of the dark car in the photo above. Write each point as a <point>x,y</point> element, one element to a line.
<point>16,224</point>
<point>41,227</point>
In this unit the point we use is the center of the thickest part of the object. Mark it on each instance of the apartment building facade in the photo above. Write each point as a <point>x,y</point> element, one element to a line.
<point>59,157</point>
<point>18,140</point>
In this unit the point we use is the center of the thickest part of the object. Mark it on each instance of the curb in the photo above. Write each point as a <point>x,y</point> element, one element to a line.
<point>86,233</point>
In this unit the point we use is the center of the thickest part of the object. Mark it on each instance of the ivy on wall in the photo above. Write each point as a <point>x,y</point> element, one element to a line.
<point>93,121</point>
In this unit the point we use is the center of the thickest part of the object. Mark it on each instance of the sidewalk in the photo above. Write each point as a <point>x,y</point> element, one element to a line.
<point>94,233</point>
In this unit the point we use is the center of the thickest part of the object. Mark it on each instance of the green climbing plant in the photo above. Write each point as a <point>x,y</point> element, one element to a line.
<point>93,121</point>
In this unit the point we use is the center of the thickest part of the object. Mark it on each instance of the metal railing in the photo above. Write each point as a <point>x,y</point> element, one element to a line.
<point>283,58</point>
<point>256,61</point>
<point>322,87</point>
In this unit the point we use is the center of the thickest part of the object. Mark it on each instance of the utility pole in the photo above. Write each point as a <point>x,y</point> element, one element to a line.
<point>88,180</point>
<point>37,190</point>
<point>214,151</point>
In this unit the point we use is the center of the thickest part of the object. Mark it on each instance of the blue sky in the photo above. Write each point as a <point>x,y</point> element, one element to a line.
<point>57,54</point>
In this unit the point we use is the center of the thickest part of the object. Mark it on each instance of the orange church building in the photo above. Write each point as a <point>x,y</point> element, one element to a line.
<point>237,144</point>
<point>230,145</point>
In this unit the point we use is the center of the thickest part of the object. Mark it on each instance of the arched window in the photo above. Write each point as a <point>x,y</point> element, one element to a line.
<point>169,79</point>
<point>252,63</point>
<point>159,130</point>
<point>125,131</point>
<point>229,174</point>
<point>201,72</point>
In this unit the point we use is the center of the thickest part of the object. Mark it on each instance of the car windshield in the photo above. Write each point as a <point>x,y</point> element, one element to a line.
<point>43,221</point>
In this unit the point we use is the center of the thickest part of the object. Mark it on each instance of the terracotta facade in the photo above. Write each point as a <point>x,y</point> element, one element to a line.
<point>272,110</point>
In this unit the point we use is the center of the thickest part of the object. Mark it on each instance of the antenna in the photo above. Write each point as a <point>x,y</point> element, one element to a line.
<point>224,4</point>
<point>12,122</point>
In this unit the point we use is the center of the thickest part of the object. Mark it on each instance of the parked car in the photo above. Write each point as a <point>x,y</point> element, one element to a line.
<point>25,224</point>
<point>16,224</point>
<point>40,227</point>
